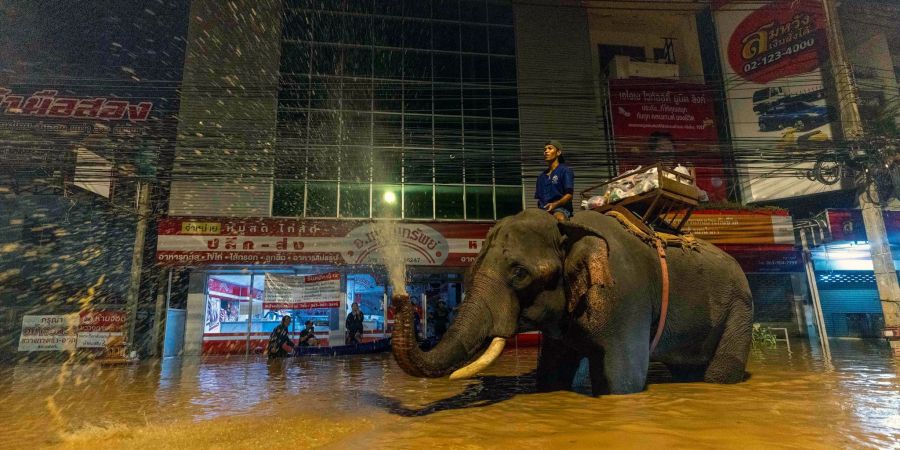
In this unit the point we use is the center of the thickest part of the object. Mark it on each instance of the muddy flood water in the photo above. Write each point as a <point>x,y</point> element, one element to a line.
<point>792,400</point>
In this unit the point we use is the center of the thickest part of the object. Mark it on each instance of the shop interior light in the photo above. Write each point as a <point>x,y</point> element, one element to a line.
<point>390,197</point>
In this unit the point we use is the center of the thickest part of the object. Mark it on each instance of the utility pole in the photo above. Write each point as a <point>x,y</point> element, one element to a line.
<point>873,218</point>
<point>142,200</point>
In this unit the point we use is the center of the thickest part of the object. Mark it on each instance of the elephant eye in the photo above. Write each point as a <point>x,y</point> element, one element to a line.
<point>519,276</point>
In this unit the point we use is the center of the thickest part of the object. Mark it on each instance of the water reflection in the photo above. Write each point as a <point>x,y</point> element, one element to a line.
<point>791,400</point>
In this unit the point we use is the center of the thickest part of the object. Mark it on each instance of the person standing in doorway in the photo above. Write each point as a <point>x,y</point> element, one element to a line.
<point>556,185</point>
<point>354,325</point>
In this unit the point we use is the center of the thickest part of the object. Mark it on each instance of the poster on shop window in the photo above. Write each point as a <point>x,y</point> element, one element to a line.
<point>302,292</point>
<point>772,54</point>
<point>646,112</point>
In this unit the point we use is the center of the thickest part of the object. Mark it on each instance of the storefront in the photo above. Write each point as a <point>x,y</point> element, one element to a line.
<point>248,273</point>
<point>845,275</point>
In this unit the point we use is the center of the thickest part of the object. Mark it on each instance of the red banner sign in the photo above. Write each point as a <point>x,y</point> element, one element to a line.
<point>659,120</point>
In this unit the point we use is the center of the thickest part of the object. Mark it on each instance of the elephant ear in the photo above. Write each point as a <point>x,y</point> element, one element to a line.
<point>586,263</point>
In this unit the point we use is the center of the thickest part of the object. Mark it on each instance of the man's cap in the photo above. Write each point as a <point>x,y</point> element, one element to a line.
<point>554,143</point>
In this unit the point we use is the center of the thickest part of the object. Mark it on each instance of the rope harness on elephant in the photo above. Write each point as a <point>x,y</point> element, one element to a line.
<point>658,241</point>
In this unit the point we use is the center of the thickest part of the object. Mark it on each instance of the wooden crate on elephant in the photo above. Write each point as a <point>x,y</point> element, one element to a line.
<point>660,196</point>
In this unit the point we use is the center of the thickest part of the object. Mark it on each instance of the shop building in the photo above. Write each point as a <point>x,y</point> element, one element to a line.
<point>432,114</point>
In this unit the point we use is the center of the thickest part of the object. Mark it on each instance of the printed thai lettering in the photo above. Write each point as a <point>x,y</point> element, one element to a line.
<point>281,244</point>
<point>212,244</point>
<point>298,245</point>
<point>46,103</point>
<point>230,243</point>
<point>248,245</point>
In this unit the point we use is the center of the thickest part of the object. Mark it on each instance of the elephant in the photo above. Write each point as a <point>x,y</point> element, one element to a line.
<point>594,290</point>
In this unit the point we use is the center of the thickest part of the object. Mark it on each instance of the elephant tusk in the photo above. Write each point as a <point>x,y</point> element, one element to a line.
<point>483,361</point>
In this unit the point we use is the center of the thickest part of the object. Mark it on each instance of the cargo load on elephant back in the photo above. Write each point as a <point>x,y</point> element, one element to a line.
<point>661,197</point>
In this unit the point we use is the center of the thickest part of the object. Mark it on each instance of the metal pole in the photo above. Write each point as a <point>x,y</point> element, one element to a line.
<point>869,203</point>
<point>142,200</point>
<point>424,316</point>
<point>814,294</point>
<point>249,314</point>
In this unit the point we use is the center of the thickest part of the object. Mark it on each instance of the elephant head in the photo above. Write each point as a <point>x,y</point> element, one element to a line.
<point>519,282</point>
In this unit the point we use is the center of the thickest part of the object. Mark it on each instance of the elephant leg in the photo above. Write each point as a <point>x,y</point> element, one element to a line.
<point>599,383</point>
<point>730,360</point>
<point>557,364</point>
<point>624,367</point>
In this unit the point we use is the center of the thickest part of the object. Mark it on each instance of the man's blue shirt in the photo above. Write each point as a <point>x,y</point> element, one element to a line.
<point>552,186</point>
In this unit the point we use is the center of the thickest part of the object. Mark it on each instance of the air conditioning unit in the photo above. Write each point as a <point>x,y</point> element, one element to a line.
<point>624,67</point>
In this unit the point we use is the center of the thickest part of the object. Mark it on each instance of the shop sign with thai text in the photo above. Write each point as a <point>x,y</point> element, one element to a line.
<point>741,227</point>
<point>205,241</point>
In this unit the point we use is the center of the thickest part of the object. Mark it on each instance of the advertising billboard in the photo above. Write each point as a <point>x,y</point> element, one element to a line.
<point>771,55</point>
<point>661,120</point>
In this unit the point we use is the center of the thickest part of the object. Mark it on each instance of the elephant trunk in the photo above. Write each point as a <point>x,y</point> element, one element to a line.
<point>467,334</point>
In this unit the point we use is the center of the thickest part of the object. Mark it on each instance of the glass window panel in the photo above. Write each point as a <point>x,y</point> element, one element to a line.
<point>417,8</point>
<point>417,131</point>
<point>288,199</point>
<point>296,25</point>
<point>476,102</point>
<point>446,67</point>
<point>328,27</point>
<point>503,103</point>
<point>506,134</point>
<point>356,128</point>
<point>294,57</point>
<point>477,133</point>
<point>503,71</point>
<point>446,36</point>
<point>446,9</point>
<point>507,169</point>
<point>448,165</point>
<point>321,199</point>
<point>418,201</point>
<point>356,161</point>
<point>293,91</point>
<point>448,132</point>
<point>325,59</point>
<point>388,96</point>
<point>417,65</point>
<point>502,40</point>
<point>354,200</point>
<point>448,99</point>
<point>479,202</point>
<point>474,38</point>
<point>417,34</point>
<point>388,8</point>
<point>386,200</point>
<point>417,97</point>
<point>324,92</point>
<point>448,202</point>
<point>473,10</point>
<point>417,165</point>
<point>387,130</point>
<point>387,165</point>
<point>359,6</point>
<point>359,30</point>
<point>387,31</point>
<point>388,63</point>
<point>500,11</point>
<point>475,69</point>
<point>357,94</point>
<point>509,200</point>
<point>478,167</point>
<point>357,62</point>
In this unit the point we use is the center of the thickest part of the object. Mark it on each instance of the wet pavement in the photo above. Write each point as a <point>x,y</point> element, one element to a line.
<point>792,400</point>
